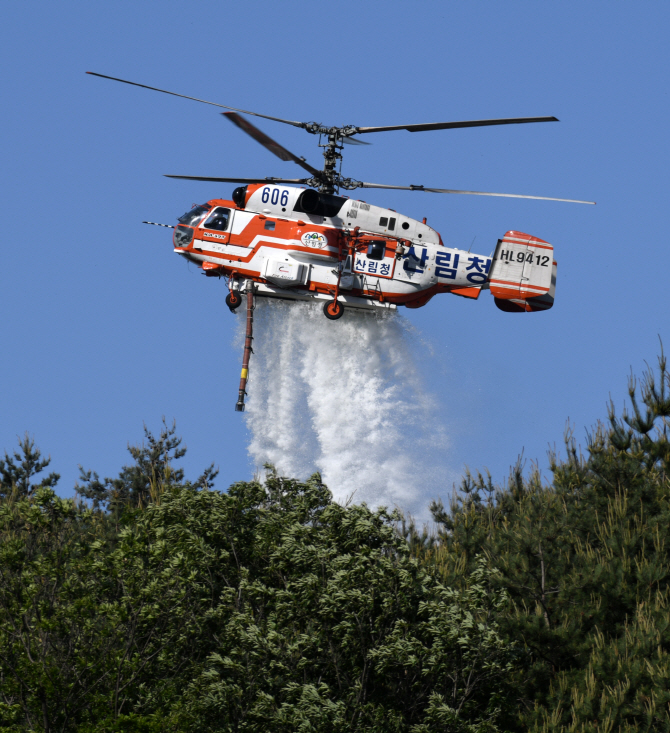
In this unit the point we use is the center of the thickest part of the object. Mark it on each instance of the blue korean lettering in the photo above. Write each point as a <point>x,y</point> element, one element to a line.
<point>360,265</point>
<point>442,262</point>
<point>384,269</point>
<point>372,267</point>
<point>412,262</point>
<point>481,267</point>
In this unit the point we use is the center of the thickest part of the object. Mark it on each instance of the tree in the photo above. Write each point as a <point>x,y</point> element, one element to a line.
<point>17,471</point>
<point>269,607</point>
<point>53,623</point>
<point>144,481</point>
<point>331,626</point>
<point>584,561</point>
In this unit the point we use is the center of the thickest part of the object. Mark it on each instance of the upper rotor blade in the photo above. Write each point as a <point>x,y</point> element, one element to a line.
<point>241,180</point>
<point>473,193</point>
<point>195,99</point>
<point>268,142</point>
<point>453,125</point>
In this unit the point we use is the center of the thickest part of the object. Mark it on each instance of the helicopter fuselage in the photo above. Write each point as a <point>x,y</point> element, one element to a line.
<point>298,244</point>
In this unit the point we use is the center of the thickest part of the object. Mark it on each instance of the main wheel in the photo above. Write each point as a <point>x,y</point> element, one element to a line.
<point>333,309</point>
<point>233,300</point>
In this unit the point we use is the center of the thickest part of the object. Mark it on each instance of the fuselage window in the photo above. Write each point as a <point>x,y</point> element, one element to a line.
<point>270,225</point>
<point>392,223</point>
<point>376,250</point>
<point>383,221</point>
<point>218,220</point>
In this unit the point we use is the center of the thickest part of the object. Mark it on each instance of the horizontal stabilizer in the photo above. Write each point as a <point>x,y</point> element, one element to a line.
<point>530,305</point>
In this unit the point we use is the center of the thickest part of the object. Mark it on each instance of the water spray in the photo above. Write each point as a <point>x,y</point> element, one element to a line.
<point>351,399</point>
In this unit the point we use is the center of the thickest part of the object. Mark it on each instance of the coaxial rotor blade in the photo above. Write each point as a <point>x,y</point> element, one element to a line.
<point>195,99</point>
<point>354,141</point>
<point>452,125</point>
<point>267,142</point>
<point>473,193</point>
<point>241,180</point>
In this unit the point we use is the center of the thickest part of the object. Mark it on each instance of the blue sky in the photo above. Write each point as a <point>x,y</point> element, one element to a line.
<point>104,328</point>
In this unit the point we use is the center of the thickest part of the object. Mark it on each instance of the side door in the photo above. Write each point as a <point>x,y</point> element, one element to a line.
<point>214,231</point>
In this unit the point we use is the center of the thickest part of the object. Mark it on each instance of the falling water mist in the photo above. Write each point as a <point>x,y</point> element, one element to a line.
<point>347,398</point>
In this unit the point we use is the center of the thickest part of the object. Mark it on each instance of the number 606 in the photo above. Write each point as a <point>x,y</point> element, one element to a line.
<point>274,196</point>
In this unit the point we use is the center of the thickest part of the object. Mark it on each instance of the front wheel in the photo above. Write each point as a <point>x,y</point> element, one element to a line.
<point>233,300</point>
<point>333,309</point>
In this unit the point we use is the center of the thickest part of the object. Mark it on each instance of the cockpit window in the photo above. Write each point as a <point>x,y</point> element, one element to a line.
<point>218,220</point>
<point>320,204</point>
<point>192,217</point>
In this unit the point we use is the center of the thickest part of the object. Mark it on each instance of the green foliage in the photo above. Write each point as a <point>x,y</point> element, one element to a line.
<point>153,604</point>
<point>17,471</point>
<point>266,608</point>
<point>585,563</point>
<point>144,481</point>
<point>338,628</point>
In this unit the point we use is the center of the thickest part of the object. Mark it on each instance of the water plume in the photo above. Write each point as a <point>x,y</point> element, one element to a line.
<point>347,398</point>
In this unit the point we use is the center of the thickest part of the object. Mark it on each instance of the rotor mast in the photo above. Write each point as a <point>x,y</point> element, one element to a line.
<point>331,154</point>
<point>329,180</point>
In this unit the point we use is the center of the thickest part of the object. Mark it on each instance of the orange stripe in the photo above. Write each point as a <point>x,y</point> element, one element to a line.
<point>519,285</point>
<point>272,245</point>
<point>529,244</point>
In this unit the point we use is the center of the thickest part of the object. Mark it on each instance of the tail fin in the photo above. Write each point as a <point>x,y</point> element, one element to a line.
<point>523,273</point>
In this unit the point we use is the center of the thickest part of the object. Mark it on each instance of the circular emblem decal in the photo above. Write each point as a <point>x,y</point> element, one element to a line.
<point>314,239</point>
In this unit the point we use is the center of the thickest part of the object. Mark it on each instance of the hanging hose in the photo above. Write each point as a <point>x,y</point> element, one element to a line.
<point>239,407</point>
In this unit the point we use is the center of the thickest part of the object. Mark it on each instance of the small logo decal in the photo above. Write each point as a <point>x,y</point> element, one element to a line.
<point>314,239</point>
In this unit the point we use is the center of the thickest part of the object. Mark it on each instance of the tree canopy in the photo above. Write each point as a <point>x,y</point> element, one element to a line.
<point>269,607</point>
<point>151,603</point>
<point>584,561</point>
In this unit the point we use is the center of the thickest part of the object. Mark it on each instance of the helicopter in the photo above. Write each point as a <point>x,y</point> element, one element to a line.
<point>299,239</point>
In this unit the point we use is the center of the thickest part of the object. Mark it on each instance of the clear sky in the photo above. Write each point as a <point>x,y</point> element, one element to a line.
<point>104,328</point>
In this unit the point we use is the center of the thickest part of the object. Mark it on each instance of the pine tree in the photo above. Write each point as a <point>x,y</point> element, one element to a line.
<point>17,471</point>
<point>144,481</point>
<point>584,560</point>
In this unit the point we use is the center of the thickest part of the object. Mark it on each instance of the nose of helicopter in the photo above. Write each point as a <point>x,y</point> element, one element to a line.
<point>182,236</point>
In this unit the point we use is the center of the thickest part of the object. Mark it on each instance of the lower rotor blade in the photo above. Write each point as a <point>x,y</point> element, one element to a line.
<point>267,142</point>
<point>354,141</point>
<point>453,125</point>
<point>240,180</point>
<point>472,193</point>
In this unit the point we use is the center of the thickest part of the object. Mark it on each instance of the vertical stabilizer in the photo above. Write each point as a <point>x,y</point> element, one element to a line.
<point>523,273</point>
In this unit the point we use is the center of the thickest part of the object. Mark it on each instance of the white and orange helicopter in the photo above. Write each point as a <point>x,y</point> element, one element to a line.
<point>306,242</point>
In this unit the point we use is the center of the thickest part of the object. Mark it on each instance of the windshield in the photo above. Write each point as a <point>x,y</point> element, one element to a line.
<point>192,217</point>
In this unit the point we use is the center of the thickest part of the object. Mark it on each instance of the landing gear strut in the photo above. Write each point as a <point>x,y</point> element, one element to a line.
<point>249,289</point>
<point>333,309</point>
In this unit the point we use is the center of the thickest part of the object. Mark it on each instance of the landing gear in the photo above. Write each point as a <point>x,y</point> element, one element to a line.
<point>333,309</point>
<point>233,300</point>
